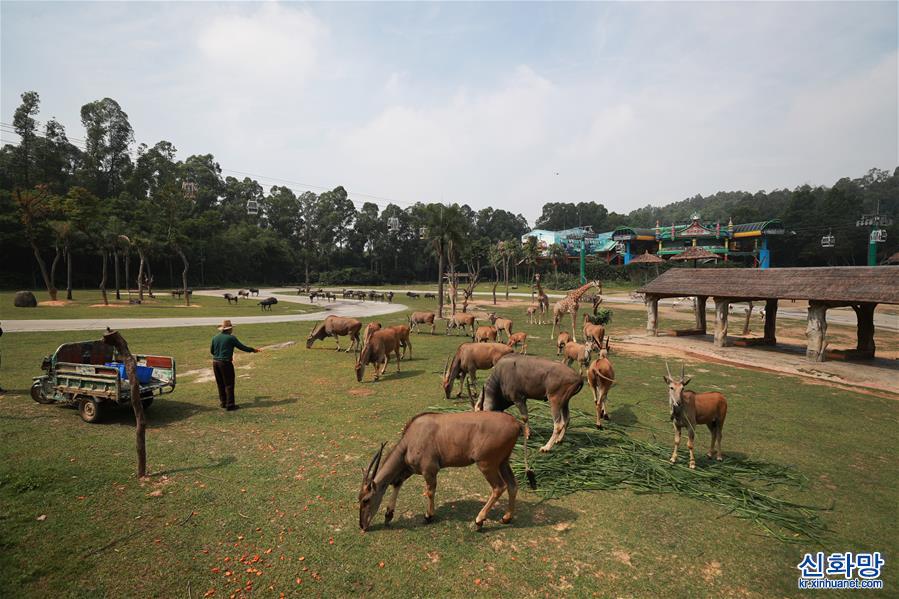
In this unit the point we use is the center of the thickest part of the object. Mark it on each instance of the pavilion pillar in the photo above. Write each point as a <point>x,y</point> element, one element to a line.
<point>771,321</point>
<point>721,306</point>
<point>652,315</point>
<point>699,307</point>
<point>816,331</point>
<point>864,314</point>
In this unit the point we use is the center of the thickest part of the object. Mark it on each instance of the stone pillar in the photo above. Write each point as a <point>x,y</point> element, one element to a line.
<point>721,306</point>
<point>652,315</point>
<point>864,313</point>
<point>700,312</point>
<point>816,331</point>
<point>771,320</point>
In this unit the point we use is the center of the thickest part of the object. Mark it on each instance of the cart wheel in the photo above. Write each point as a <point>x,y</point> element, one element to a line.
<point>89,408</point>
<point>147,401</point>
<point>37,393</point>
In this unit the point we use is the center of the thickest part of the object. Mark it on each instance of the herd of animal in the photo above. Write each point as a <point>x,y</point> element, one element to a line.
<point>487,435</point>
<point>264,304</point>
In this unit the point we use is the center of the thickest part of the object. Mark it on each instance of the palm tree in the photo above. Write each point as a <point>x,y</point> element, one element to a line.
<point>447,229</point>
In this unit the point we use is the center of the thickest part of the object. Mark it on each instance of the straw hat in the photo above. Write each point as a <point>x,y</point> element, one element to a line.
<point>226,326</point>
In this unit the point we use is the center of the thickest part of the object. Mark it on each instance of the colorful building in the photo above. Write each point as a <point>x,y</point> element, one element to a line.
<point>747,241</point>
<point>600,244</point>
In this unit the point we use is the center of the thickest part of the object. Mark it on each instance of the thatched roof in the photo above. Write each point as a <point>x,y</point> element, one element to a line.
<point>646,258</point>
<point>850,284</point>
<point>694,253</point>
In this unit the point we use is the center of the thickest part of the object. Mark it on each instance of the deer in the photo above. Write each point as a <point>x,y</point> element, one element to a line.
<point>230,297</point>
<point>689,408</point>
<point>563,338</point>
<point>593,331</point>
<point>462,322</point>
<point>468,359</point>
<point>336,326</point>
<point>600,378</point>
<point>516,339</point>
<point>517,378</point>
<point>403,332</point>
<point>432,441</point>
<point>578,352</point>
<point>377,351</point>
<point>501,324</point>
<point>418,318</point>
<point>485,334</point>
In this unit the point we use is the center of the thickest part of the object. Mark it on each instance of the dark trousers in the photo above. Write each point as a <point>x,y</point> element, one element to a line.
<point>224,378</point>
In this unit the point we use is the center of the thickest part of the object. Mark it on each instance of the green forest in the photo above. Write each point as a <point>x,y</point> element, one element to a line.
<point>97,209</point>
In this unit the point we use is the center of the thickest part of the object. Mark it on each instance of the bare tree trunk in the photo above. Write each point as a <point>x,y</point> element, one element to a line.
<point>864,314</point>
<point>506,272</point>
<point>721,322</point>
<point>816,332</point>
<point>184,274</point>
<point>495,282</point>
<point>746,323</point>
<point>68,252</point>
<point>114,339</point>
<point>128,272</point>
<point>51,290</point>
<point>105,255</point>
<point>440,283</point>
<point>140,274</point>
<point>652,315</point>
<point>115,261</point>
<point>53,266</point>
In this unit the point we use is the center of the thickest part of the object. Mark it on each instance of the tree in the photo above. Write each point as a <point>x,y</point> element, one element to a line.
<point>35,208</point>
<point>26,127</point>
<point>558,255</point>
<point>446,232</point>
<point>108,142</point>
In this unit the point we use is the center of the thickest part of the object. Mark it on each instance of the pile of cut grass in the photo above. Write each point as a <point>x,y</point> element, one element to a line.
<point>592,460</point>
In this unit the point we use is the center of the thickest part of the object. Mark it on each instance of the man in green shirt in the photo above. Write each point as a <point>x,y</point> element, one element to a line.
<point>222,350</point>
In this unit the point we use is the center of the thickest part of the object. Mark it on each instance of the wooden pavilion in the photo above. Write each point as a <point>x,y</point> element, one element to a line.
<point>858,287</point>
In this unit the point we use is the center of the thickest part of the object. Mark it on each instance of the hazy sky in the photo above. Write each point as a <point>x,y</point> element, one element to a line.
<point>481,103</point>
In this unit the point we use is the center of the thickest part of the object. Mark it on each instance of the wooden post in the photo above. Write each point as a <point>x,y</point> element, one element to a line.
<point>864,313</point>
<point>816,331</point>
<point>721,322</point>
<point>699,307</point>
<point>771,321</point>
<point>748,321</point>
<point>652,315</point>
<point>114,339</point>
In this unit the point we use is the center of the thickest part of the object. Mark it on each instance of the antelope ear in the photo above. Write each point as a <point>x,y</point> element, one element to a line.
<point>667,380</point>
<point>687,380</point>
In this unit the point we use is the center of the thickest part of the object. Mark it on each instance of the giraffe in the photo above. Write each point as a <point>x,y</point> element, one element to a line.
<point>569,305</point>
<point>542,300</point>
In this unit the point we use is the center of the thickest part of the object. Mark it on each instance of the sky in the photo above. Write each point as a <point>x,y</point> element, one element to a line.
<point>506,105</point>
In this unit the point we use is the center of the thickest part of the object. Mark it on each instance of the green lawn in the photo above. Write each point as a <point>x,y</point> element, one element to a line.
<point>264,499</point>
<point>85,304</point>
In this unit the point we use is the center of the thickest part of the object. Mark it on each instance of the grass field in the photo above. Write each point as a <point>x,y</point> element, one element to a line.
<point>88,304</point>
<point>263,500</point>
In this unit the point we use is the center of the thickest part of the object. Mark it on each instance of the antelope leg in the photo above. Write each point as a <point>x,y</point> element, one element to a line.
<point>512,487</point>
<point>493,476</point>
<point>676,443</point>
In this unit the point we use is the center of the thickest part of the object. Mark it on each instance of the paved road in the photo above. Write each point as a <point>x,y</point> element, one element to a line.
<point>338,308</point>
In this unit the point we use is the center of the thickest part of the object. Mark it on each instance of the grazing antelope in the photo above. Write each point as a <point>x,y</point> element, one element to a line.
<point>594,332</point>
<point>516,339</point>
<point>418,318</point>
<point>462,322</point>
<point>430,442</point>
<point>243,293</point>
<point>689,408</point>
<point>468,359</point>
<point>267,303</point>
<point>402,333</point>
<point>501,324</point>
<point>336,326</point>
<point>370,328</point>
<point>578,352</point>
<point>230,297</point>
<point>377,351</point>
<point>532,314</point>
<point>563,338</point>
<point>516,378</point>
<point>601,377</point>
<point>485,334</point>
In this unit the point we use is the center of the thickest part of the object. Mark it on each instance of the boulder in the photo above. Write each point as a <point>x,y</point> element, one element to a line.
<point>25,299</point>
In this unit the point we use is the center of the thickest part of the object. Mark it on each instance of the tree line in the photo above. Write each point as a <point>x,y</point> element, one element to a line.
<point>103,211</point>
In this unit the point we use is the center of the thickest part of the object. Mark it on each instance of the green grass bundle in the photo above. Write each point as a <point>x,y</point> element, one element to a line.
<point>603,316</point>
<point>593,460</point>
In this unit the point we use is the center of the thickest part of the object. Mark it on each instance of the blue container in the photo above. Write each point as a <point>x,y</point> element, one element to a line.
<point>144,373</point>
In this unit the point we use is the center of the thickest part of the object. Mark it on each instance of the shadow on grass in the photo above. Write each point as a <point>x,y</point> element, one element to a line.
<point>624,416</point>
<point>527,515</point>
<point>162,413</point>
<point>266,401</point>
<point>221,462</point>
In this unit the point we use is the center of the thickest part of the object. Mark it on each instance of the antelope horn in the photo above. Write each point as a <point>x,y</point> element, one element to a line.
<point>668,369</point>
<point>378,459</point>
<point>446,366</point>
<point>681,371</point>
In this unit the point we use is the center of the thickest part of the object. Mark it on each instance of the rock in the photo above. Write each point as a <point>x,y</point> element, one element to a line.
<point>25,299</point>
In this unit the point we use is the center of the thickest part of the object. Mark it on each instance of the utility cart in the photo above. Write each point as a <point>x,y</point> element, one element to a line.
<point>88,375</point>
